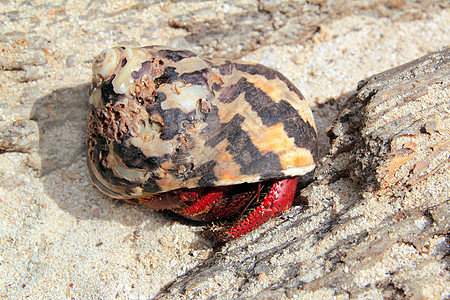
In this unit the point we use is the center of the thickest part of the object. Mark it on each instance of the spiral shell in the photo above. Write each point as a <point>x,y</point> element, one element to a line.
<point>162,119</point>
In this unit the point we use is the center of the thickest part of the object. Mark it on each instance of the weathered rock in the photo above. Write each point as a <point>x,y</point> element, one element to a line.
<point>235,28</point>
<point>32,75</point>
<point>399,123</point>
<point>370,225</point>
<point>19,136</point>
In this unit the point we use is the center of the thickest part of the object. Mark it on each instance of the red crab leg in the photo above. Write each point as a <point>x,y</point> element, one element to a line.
<point>279,199</point>
<point>200,206</point>
<point>212,204</point>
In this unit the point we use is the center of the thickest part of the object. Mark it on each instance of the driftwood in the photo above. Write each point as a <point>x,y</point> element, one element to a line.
<point>377,222</point>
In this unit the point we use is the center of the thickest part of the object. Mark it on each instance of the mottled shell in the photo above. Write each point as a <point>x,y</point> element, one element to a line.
<point>162,119</point>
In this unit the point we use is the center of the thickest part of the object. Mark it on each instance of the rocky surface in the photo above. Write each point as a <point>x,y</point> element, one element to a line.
<point>374,223</point>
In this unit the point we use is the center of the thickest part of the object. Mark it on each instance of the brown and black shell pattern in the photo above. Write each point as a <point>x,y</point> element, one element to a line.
<point>162,119</point>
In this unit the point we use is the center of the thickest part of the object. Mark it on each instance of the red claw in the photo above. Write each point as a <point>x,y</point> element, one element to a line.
<point>222,203</point>
<point>278,200</point>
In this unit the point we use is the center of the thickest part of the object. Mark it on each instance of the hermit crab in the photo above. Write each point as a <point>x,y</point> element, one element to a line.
<point>212,140</point>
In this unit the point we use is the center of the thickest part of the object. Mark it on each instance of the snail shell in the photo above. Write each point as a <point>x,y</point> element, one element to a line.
<point>162,119</point>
